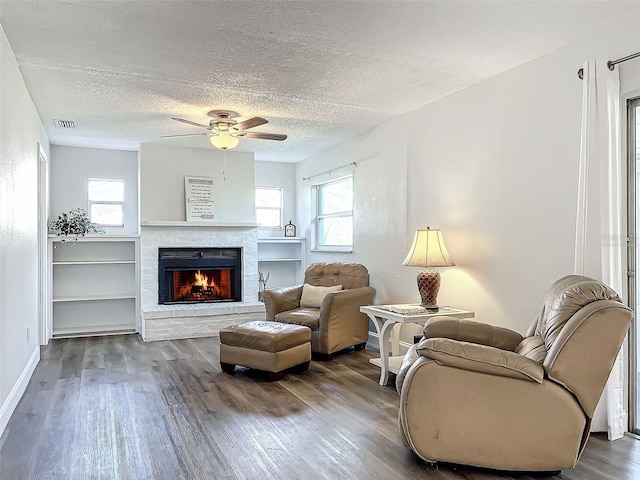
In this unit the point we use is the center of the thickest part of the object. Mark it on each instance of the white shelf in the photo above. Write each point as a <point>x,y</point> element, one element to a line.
<point>394,363</point>
<point>89,298</point>
<point>97,262</point>
<point>280,239</point>
<point>93,238</point>
<point>94,330</point>
<point>184,223</point>
<point>279,260</point>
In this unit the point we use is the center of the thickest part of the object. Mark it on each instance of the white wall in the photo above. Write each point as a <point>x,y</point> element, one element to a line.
<point>162,172</point>
<point>278,175</point>
<point>71,168</point>
<point>20,132</point>
<point>495,167</point>
<point>380,203</point>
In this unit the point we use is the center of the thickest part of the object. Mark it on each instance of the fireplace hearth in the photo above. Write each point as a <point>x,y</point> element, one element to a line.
<point>199,275</point>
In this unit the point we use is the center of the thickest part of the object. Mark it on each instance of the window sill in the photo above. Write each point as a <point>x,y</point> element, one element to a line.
<point>333,249</point>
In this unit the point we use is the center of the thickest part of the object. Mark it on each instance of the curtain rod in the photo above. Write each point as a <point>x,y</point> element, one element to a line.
<point>612,63</point>
<point>329,171</point>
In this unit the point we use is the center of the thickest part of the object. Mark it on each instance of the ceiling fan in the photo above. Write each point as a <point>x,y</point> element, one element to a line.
<point>223,131</point>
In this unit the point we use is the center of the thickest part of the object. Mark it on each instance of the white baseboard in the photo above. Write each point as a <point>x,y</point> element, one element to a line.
<point>372,341</point>
<point>18,389</point>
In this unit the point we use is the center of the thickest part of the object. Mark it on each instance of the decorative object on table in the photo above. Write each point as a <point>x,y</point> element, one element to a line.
<point>289,230</point>
<point>405,308</point>
<point>428,250</point>
<point>262,284</point>
<point>71,225</point>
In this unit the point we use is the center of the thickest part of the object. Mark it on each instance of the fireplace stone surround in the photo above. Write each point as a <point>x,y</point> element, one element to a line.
<point>168,322</point>
<point>199,275</point>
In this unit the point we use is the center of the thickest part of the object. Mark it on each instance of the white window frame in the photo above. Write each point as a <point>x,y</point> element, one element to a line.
<point>280,208</point>
<point>107,202</point>
<point>633,109</point>
<point>315,205</point>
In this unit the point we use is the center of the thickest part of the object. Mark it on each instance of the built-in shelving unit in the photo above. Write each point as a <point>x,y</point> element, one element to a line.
<point>284,259</point>
<point>94,285</point>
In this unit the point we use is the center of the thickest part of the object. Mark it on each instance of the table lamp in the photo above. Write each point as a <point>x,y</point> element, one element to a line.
<point>428,250</point>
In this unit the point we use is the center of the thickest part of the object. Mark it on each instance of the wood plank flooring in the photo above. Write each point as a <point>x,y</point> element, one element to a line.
<point>117,408</point>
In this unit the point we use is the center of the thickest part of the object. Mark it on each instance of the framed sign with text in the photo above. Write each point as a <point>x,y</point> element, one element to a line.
<point>200,199</point>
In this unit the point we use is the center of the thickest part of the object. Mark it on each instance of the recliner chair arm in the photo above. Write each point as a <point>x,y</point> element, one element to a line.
<point>473,332</point>
<point>353,296</point>
<point>407,361</point>
<point>341,324</point>
<point>336,304</point>
<point>480,358</point>
<point>281,300</point>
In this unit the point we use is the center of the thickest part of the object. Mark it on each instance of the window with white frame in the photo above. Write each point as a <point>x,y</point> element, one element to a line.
<point>106,202</point>
<point>333,223</point>
<point>269,207</point>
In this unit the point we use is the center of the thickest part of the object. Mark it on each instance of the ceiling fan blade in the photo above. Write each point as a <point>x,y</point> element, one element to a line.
<point>250,123</point>
<point>189,122</point>
<point>265,136</point>
<point>184,135</point>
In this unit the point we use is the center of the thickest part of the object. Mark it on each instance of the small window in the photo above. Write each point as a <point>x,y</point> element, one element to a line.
<point>334,215</point>
<point>269,207</point>
<point>106,202</point>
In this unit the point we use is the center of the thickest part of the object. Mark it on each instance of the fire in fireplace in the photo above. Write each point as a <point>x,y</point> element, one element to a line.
<point>192,275</point>
<point>205,285</point>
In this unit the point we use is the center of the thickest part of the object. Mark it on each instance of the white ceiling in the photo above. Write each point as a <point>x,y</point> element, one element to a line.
<point>319,71</point>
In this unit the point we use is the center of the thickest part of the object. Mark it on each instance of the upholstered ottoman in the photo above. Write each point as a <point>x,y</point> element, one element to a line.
<point>269,346</point>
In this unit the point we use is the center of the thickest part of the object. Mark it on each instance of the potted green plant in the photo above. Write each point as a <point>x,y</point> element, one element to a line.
<point>72,225</point>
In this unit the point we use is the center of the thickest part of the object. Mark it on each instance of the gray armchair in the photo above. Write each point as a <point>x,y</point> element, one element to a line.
<point>479,395</point>
<point>338,323</point>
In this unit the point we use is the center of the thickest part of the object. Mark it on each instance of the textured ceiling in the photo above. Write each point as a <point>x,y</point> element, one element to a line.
<point>319,71</point>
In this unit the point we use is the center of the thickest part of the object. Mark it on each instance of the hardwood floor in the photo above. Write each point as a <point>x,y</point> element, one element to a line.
<point>118,408</point>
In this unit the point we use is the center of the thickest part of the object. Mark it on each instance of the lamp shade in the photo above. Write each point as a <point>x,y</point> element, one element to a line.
<point>428,250</point>
<point>224,141</point>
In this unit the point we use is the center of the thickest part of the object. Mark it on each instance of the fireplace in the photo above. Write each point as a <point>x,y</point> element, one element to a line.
<point>199,275</point>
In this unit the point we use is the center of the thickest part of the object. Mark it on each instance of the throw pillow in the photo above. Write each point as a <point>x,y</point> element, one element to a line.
<point>312,296</point>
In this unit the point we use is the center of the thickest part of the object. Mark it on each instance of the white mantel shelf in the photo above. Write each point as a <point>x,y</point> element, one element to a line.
<point>92,238</point>
<point>184,223</point>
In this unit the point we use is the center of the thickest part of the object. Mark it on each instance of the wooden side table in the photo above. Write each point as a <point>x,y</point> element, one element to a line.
<point>388,323</point>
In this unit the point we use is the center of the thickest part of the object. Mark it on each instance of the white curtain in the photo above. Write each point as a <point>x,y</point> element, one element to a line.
<point>599,236</point>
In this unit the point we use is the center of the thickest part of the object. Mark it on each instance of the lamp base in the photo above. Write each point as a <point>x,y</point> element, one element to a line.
<point>428,286</point>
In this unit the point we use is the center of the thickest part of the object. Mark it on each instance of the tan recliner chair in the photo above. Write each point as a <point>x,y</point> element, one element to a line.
<point>479,395</point>
<point>338,323</point>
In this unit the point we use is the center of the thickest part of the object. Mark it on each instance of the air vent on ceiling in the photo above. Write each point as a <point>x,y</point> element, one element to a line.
<point>65,123</point>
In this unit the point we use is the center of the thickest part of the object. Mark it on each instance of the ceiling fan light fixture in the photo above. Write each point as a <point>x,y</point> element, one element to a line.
<point>223,130</point>
<point>224,141</point>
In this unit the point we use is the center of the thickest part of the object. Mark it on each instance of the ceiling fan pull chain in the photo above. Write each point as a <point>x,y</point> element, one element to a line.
<point>224,164</point>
